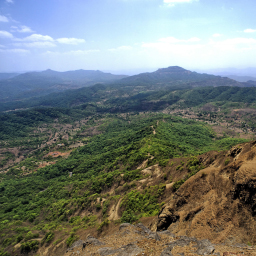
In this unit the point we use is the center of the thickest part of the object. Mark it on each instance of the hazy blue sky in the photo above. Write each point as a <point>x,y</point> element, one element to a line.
<point>126,34</point>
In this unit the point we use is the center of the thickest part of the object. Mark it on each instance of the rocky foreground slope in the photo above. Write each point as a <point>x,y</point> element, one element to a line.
<point>219,202</point>
<point>139,240</point>
<point>212,213</point>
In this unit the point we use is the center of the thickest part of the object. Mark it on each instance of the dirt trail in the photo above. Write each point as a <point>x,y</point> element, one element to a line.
<point>154,131</point>
<point>113,213</point>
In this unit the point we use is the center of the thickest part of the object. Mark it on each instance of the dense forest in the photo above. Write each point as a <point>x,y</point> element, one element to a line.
<point>62,154</point>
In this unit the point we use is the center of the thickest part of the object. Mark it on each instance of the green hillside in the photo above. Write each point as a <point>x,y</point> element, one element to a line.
<point>163,87</point>
<point>33,84</point>
<point>82,151</point>
<point>48,198</point>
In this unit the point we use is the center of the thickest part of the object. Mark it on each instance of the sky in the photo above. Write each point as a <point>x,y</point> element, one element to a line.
<point>124,35</point>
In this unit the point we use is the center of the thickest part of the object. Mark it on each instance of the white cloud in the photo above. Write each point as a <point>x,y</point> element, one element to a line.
<point>249,30</point>
<point>22,29</point>
<point>216,35</point>
<point>171,3</point>
<point>35,41</point>
<point>169,42</point>
<point>82,52</point>
<point>15,51</point>
<point>233,51</point>
<point>3,19</point>
<point>36,44</point>
<point>9,1</point>
<point>73,41</point>
<point>239,41</point>
<point>5,34</point>
<point>77,52</point>
<point>173,40</point>
<point>36,38</point>
<point>121,48</point>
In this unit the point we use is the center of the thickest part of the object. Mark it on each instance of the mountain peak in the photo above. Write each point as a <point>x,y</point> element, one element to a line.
<point>173,69</point>
<point>48,71</point>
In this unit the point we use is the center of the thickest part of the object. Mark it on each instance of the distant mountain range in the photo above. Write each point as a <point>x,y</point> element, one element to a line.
<point>242,78</point>
<point>4,76</point>
<point>240,75</point>
<point>50,88</point>
<point>21,86</point>
<point>175,75</point>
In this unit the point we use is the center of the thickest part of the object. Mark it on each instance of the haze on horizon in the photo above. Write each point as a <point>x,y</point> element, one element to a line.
<point>119,35</point>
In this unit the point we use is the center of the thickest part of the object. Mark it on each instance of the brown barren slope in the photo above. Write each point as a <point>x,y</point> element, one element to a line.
<point>219,202</point>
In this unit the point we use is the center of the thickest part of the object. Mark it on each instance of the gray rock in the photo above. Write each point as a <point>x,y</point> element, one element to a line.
<point>154,235</point>
<point>107,251</point>
<point>129,250</point>
<point>167,252</point>
<point>92,240</point>
<point>166,232</point>
<point>144,229</point>
<point>124,225</point>
<point>147,232</point>
<point>125,232</point>
<point>78,243</point>
<point>126,250</point>
<point>205,247</point>
<point>182,241</point>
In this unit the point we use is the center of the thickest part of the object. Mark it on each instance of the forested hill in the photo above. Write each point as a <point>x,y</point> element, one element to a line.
<point>4,76</point>
<point>144,85</point>
<point>175,75</point>
<point>42,83</point>
<point>137,98</point>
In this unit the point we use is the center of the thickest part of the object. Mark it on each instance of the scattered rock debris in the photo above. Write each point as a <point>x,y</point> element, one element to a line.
<point>131,240</point>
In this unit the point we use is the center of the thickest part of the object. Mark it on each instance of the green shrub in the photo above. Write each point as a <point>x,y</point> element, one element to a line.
<point>76,220</point>
<point>90,221</point>
<point>72,238</point>
<point>3,253</point>
<point>163,162</point>
<point>129,217</point>
<point>6,242</point>
<point>102,224</point>
<point>144,203</point>
<point>29,246</point>
<point>32,217</point>
<point>227,161</point>
<point>19,238</point>
<point>105,207</point>
<point>132,175</point>
<point>98,207</point>
<point>30,235</point>
<point>49,236</point>
<point>177,184</point>
<point>179,167</point>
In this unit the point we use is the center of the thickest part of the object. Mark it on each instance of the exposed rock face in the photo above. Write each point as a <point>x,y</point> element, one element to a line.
<point>218,202</point>
<point>132,240</point>
<point>127,250</point>
<point>82,244</point>
<point>203,247</point>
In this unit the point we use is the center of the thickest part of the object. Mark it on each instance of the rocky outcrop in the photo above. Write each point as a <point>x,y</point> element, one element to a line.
<point>200,247</point>
<point>131,240</point>
<point>126,250</point>
<point>217,203</point>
